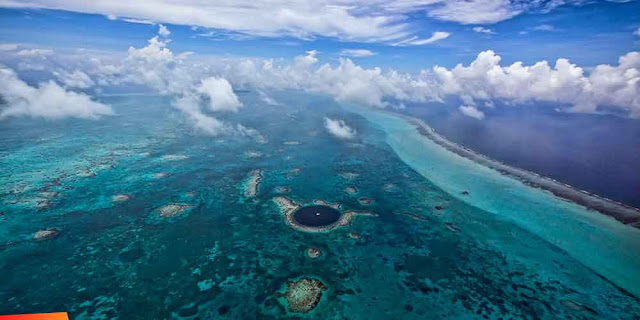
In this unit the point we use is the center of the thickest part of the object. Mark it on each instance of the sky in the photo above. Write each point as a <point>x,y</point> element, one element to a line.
<point>58,56</point>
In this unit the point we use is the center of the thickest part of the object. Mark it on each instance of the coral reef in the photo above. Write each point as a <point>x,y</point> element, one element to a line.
<point>253,154</point>
<point>46,234</point>
<point>160,175</point>
<point>351,190</point>
<point>174,157</point>
<point>314,253</point>
<point>252,183</point>
<point>321,202</point>
<point>303,295</point>
<point>288,208</point>
<point>283,189</point>
<point>172,209</point>
<point>120,198</point>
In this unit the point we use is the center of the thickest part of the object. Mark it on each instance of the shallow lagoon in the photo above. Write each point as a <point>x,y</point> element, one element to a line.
<point>228,255</point>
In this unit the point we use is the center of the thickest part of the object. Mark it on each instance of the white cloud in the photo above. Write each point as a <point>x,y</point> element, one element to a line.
<point>220,94</point>
<point>543,27</point>
<point>268,99</point>
<point>35,52</point>
<point>637,32</point>
<point>609,87</point>
<point>385,21</point>
<point>471,111</point>
<point>48,100</point>
<point>357,53</point>
<point>76,79</point>
<point>189,104</point>
<point>484,30</point>
<point>155,52</point>
<point>163,31</point>
<point>346,20</point>
<point>138,21</point>
<point>351,20</point>
<point>605,88</point>
<point>414,41</point>
<point>339,129</point>
<point>477,11</point>
<point>8,46</point>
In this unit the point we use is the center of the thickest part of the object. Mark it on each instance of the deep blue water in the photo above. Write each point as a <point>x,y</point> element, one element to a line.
<point>597,153</point>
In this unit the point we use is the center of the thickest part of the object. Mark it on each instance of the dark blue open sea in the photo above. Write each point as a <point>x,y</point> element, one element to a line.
<point>147,219</point>
<point>597,153</point>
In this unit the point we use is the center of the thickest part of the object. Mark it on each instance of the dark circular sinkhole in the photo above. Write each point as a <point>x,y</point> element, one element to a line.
<point>316,216</point>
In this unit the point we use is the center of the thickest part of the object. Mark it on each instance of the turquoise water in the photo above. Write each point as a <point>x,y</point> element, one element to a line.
<point>502,251</point>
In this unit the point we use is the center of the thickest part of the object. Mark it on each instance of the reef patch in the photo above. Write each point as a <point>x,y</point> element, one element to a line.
<point>172,209</point>
<point>350,190</point>
<point>314,253</point>
<point>121,198</point>
<point>46,234</point>
<point>303,295</point>
<point>252,183</point>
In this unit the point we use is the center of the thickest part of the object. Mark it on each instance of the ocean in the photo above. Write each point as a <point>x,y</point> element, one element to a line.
<point>150,219</point>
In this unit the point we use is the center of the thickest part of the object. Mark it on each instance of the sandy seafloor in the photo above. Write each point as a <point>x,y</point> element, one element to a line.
<point>513,252</point>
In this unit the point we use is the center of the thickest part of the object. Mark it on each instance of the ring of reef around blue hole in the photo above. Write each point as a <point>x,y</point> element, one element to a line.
<point>321,216</point>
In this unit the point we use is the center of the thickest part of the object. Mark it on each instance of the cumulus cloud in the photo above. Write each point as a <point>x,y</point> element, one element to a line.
<point>35,52</point>
<point>471,111</point>
<point>357,53</point>
<point>339,129</point>
<point>155,52</point>
<point>189,104</point>
<point>210,81</point>
<point>8,46</point>
<point>75,79</point>
<point>48,100</point>
<point>346,82</point>
<point>484,30</point>
<point>220,94</point>
<point>565,83</point>
<point>163,31</point>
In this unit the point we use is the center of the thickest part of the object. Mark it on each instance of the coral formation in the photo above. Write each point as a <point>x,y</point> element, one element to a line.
<point>121,197</point>
<point>46,234</point>
<point>172,209</point>
<point>288,208</point>
<point>252,183</point>
<point>351,190</point>
<point>303,295</point>
<point>314,253</point>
